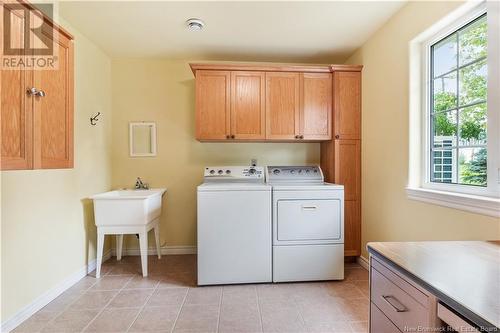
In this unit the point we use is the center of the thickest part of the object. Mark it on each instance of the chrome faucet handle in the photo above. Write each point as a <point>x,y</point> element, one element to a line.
<point>138,183</point>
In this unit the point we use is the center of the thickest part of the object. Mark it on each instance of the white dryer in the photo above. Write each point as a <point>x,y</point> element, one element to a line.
<point>308,224</point>
<point>234,226</point>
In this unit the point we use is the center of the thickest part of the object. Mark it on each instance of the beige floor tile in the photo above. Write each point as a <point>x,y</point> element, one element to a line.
<point>355,309</point>
<point>82,285</point>
<point>111,282</point>
<point>344,289</point>
<point>204,295</point>
<point>93,300</point>
<point>156,319</point>
<point>134,298</point>
<point>239,317</point>
<point>177,280</point>
<point>321,310</point>
<point>62,301</point>
<point>197,318</point>
<point>125,269</point>
<point>169,296</point>
<point>113,320</point>
<point>36,322</point>
<point>333,327</point>
<point>358,273</point>
<point>281,316</point>
<point>70,321</point>
<point>359,327</point>
<point>363,286</point>
<point>140,282</point>
<point>240,294</point>
<point>275,292</point>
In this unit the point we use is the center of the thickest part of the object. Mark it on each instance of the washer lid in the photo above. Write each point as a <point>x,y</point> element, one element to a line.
<point>234,186</point>
<point>306,186</point>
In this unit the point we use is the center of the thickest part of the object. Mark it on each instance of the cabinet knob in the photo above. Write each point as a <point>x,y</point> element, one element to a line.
<point>228,136</point>
<point>232,136</point>
<point>35,92</point>
<point>337,136</point>
<point>296,137</point>
<point>301,137</point>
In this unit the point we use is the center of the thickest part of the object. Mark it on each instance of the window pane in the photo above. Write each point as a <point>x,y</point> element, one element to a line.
<point>473,42</point>
<point>445,129</point>
<point>473,83</point>
<point>472,166</point>
<point>443,169</point>
<point>444,55</point>
<point>445,92</point>
<point>473,125</point>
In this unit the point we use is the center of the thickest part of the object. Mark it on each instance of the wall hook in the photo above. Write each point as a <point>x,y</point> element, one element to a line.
<point>94,119</point>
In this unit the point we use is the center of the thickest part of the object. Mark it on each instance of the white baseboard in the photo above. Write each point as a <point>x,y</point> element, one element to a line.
<point>363,262</point>
<point>166,250</point>
<point>49,295</point>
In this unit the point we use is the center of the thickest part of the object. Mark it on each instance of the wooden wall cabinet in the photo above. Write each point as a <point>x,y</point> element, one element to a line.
<point>37,131</point>
<point>259,103</point>
<point>341,157</point>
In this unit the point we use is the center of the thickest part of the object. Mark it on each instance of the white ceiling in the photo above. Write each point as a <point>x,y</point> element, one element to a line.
<point>305,31</point>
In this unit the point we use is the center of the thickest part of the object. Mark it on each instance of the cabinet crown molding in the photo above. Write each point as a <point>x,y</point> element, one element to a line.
<point>271,67</point>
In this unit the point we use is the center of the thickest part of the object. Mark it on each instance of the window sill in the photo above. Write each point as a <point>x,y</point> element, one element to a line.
<point>471,203</point>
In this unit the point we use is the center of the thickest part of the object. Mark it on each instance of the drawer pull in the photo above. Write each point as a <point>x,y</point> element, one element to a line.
<point>309,207</point>
<point>395,304</point>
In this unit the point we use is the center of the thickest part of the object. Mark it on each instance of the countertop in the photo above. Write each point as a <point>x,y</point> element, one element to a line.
<point>465,275</point>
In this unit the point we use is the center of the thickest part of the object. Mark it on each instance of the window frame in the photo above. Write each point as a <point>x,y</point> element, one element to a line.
<point>492,188</point>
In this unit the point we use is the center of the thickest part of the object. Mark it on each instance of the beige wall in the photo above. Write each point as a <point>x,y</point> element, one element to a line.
<point>387,213</point>
<point>163,91</point>
<point>48,231</point>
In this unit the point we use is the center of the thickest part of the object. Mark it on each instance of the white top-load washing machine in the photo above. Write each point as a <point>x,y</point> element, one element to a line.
<point>234,226</point>
<point>308,224</point>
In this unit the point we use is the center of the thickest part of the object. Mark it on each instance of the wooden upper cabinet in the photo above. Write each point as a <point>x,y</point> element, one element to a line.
<point>53,113</point>
<point>248,113</point>
<point>347,105</point>
<point>213,104</point>
<point>37,129</point>
<point>316,106</point>
<point>17,108</point>
<point>282,105</point>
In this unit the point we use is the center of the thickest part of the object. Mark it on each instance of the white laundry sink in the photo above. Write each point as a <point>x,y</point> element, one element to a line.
<point>127,207</point>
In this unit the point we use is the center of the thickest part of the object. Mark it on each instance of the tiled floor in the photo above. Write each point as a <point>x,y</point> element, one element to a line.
<point>169,301</point>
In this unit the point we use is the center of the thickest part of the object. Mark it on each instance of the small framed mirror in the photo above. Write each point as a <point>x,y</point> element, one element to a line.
<point>142,137</point>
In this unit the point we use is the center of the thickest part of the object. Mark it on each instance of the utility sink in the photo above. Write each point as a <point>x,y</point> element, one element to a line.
<point>127,207</point>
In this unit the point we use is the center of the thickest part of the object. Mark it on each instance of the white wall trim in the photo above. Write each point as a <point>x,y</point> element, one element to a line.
<point>471,203</point>
<point>51,294</point>
<point>166,250</point>
<point>363,262</point>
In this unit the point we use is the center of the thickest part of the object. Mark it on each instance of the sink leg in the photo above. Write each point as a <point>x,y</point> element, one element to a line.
<point>157,239</point>
<point>100,246</point>
<point>119,247</point>
<point>143,244</point>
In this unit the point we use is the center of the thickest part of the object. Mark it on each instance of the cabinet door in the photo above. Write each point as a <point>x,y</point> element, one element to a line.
<point>348,167</point>
<point>316,106</point>
<point>282,105</point>
<point>16,105</point>
<point>212,104</point>
<point>352,227</point>
<point>53,113</point>
<point>248,114</point>
<point>347,105</point>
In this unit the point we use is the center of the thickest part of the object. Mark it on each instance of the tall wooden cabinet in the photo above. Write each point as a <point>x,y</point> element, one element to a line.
<point>37,104</point>
<point>341,156</point>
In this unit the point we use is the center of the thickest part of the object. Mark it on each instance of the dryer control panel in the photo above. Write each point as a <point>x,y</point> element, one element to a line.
<point>291,174</point>
<point>234,173</point>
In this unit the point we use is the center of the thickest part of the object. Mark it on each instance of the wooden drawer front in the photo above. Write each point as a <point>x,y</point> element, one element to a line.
<point>379,323</point>
<point>397,305</point>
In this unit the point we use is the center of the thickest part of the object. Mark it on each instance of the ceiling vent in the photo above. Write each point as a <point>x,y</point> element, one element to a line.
<point>195,24</point>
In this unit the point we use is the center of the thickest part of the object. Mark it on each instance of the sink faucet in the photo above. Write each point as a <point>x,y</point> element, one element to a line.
<point>139,185</point>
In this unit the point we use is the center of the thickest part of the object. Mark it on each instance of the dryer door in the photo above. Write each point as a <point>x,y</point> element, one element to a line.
<point>307,220</point>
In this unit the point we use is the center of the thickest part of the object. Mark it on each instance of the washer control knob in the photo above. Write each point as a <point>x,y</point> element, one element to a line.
<point>228,172</point>
<point>292,171</point>
<point>212,171</point>
<point>276,171</point>
<point>307,170</point>
<point>251,171</point>
<point>220,172</point>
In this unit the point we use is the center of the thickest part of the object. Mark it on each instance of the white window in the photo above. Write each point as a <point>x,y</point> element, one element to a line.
<point>454,111</point>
